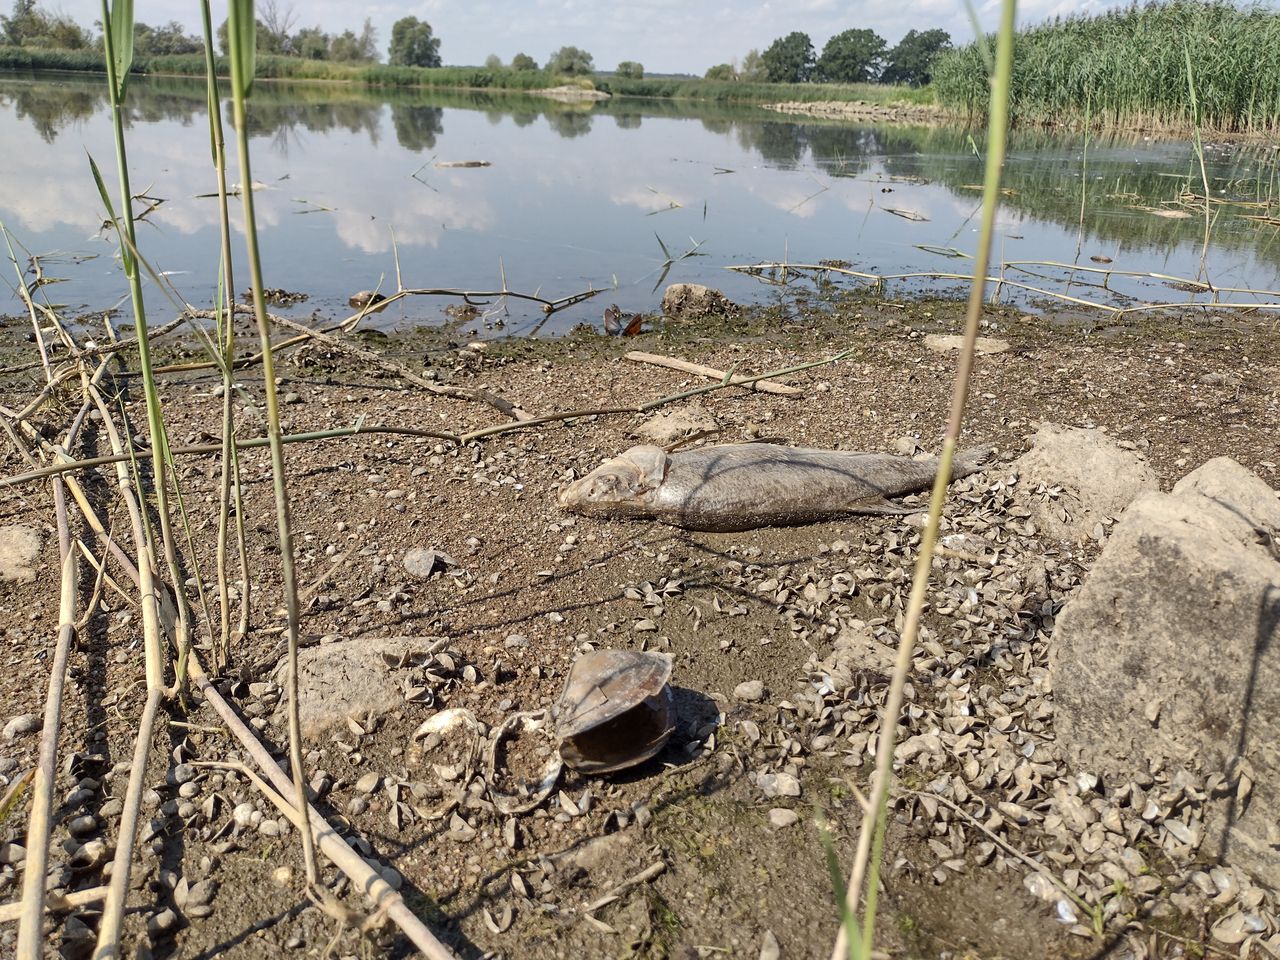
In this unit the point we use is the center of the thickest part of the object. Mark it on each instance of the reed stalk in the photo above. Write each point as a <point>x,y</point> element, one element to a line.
<point>242,43</point>
<point>117,40</point>
<point>864,875</point>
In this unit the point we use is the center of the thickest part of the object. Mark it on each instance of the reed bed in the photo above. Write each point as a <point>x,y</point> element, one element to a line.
<point>1128,67</point>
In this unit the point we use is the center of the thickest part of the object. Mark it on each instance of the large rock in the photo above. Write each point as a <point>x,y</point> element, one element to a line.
<point>1072,480</point>
<point>352,679</point>
<point>1168,656</point>
<point>692,301</point>
<point>666,428</point>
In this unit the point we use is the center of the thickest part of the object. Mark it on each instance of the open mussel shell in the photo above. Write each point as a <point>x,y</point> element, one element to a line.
<point>448,743</point>
<point>616,710</point>
<point>524,765</point>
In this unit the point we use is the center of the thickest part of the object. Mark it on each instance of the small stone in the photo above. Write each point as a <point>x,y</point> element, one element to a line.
<point>269,828</point>
<point>19,550</point>
<point>769,949</point>
<point>782,817</point>
<point>162,922</point>
<point>182,773</point>
<point>243,814</point>
<point>749,691</point>
<point>369,782</point>
<point>282,876</point>
<point>778,785</point>
<point>25,723</point>
<point>83,826</point>
<point>12,853</point>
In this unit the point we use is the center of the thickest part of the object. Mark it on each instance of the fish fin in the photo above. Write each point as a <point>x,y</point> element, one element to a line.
<point>885,507</point>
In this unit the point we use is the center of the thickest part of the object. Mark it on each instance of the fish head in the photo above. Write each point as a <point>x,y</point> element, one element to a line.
<point>621,487</point>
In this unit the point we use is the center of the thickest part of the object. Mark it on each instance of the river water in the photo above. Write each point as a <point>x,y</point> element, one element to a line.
<point>626,195</point>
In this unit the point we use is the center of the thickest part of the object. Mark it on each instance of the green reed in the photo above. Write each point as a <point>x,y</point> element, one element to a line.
<point>1129,66</point>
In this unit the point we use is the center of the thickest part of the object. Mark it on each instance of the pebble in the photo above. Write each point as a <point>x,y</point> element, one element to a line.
<point>369,782</point>
<point>778,784</point>
<point>162,922</point>
<point>12,853</point>
<point>749,691</point>
<point>83,826</point>
<point>782,817</point>
<point>243,814</point>
<point>23,724</point>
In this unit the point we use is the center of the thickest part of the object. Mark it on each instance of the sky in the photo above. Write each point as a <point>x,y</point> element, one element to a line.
<point>666,36</point>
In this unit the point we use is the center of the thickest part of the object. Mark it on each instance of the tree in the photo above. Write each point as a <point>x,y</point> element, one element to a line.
<point>911,61</point>
<point>570,61</point>
<point>789,59</point>
<point>493,62</point>
<point>412,44</point>
<point>352,48</point>
<point>752,69</point>
<point>29,27</point>
<point>522,61</point>
<point>275,23</point>
<point>630,70</point>
<point>854,56</point>
<point>721,71</point>
<point>168,40</point>
<point>310,43</point>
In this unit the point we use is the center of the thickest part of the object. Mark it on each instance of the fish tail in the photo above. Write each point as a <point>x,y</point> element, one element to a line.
<point>971,461</point>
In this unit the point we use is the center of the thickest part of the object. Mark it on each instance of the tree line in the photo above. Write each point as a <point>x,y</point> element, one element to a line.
<point>853,56</point>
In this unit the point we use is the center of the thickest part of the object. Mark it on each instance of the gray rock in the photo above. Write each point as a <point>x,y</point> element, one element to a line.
<point>26,723</point>
<point>349,678</point>
<point>691,301</point>
<point>782,817</point>
<point>667,428</point>
<point>1095,479</point>
<point>769,949</point>
<point>423,561</point>
<point>944,343</point>
<point>1168,656</point>
<point>778,785</point>
<point>19,550</point>
<point>750,691</point>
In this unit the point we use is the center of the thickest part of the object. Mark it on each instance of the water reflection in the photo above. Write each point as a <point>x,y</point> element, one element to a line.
<point>573,200</point>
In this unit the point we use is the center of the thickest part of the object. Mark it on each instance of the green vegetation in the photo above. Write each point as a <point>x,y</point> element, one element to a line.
<point>1129,67</point>
<point>28,26</point>
<point>854,56</point>
<point>789,59</point>
<point>911,61</point>
<point>716,89</point>
<point>413,45</point>
<point>630,70</point>
<point>571,61</point>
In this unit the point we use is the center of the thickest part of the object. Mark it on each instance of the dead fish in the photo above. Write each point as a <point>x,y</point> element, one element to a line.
<point>743,486</point>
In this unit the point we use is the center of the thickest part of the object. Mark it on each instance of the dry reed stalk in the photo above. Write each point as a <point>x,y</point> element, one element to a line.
<point>363,877</point>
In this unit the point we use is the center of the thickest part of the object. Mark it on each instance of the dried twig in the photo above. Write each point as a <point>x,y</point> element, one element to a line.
<point>688,366</point>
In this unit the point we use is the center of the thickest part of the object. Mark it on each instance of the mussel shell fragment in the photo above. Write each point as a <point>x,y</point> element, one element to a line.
<point>522,775</point>
<point>451,742</point>
<point>616,710</point>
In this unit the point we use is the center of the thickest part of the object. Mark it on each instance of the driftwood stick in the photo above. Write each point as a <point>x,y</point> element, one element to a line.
<point>687,366</point>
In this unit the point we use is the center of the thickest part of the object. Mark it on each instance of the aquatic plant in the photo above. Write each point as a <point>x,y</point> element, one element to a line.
<point>1128,67</point>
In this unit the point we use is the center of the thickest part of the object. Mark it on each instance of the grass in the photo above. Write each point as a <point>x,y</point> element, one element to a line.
<point>1128,68</point>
